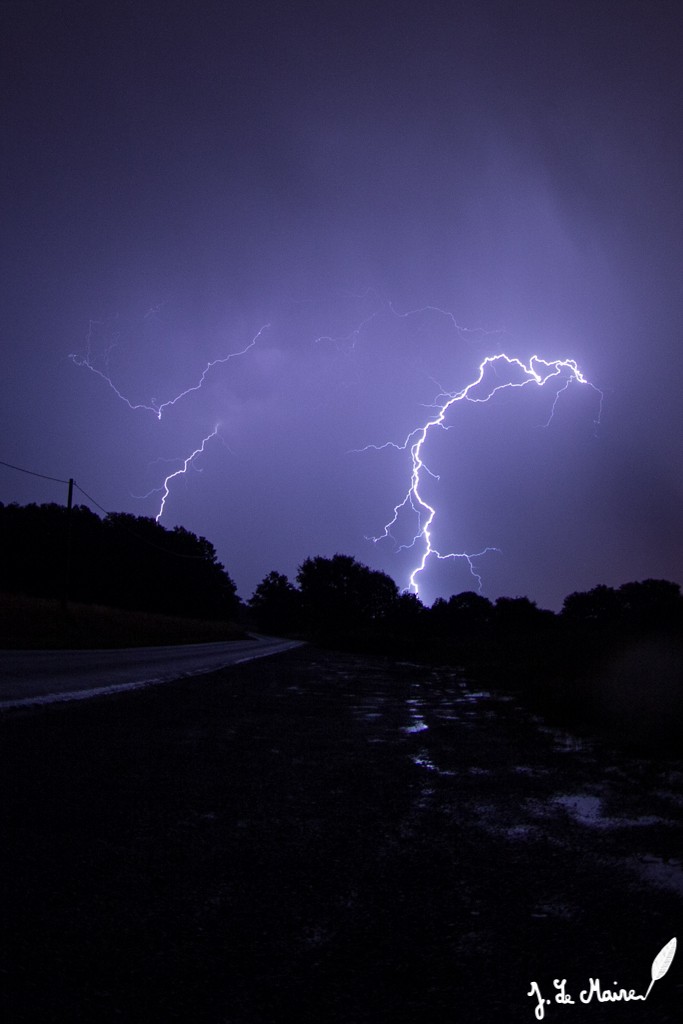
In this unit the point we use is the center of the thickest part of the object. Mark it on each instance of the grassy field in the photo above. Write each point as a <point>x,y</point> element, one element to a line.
<point>42,624</point>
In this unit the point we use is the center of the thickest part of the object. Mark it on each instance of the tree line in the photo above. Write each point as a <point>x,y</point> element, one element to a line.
<point>608,648</point>
<point>339,597</point>
<point>611,661</point>
<point>121,560</point>
<point>133,562</point>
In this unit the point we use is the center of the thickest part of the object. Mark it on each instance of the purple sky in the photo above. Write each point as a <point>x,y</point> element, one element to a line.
<point>397,190</point>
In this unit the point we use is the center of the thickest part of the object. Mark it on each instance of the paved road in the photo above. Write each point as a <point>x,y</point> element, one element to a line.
<point>40,677</point>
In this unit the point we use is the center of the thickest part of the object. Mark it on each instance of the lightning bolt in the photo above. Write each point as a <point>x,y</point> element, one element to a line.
<point>165,488</point>
<point>519,375</point>
<point>354,335</point>
<point>155,407</point>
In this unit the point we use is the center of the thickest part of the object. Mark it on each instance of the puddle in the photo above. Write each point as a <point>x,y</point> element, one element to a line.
<point>422,760</point>
<point>674,798</point>
<point>559,910</point>
<point>525,769</point>
<point>417,726</point>
<point>521,832</point>
<point>587,810</point>
<point>584,809</point>
<point>471,697</point>
<point>565,742</point>
<point>666,874</point>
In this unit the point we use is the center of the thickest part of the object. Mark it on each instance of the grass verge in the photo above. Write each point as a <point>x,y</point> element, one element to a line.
<point>33,623</point>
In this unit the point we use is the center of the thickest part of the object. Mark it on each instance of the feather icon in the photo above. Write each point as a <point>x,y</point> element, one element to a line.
<point>662,963</point>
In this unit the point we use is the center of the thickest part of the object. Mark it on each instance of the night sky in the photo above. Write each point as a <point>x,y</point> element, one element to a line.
<point>388,192</point>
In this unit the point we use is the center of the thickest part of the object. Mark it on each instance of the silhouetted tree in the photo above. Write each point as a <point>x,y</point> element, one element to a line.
<point>651,605</point>
<point>407,616</point>
<point>462,617</point>
<point>123,560</point>
<point>341,594</point>
<point>597,608</point>
<point>646,606</point>
<point>276,604</point>
<point>519,615</point>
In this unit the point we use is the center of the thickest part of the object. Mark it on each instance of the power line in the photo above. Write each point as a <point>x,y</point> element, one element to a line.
<point>114,518</point>
<point>32,472</point>
<point>90,498</point>
<point>112,515</point>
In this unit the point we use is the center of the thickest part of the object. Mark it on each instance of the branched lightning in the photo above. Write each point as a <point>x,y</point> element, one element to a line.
<point>442,312</point>
<point>538,371</point>
<point>165,489</point>
<point>158,408</point>
<point>155,407</point>
<point>496,373</point>
<point>353,336</point>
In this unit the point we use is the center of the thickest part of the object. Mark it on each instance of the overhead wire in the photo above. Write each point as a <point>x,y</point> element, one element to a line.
<point>31,472</point>
<point>112,515</point>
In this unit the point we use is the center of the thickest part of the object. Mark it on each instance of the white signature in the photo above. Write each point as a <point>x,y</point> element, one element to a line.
<point>595,990</point>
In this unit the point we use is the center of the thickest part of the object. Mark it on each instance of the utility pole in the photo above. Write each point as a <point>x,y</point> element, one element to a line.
<point>67,558</point>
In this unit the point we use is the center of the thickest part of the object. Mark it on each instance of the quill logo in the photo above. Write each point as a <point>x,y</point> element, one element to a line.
<point>595,990</point>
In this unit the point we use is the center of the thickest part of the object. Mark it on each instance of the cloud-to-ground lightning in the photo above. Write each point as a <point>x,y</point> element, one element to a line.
<point>538,371</point>
<point>155,407</point>
<point>165,488</point>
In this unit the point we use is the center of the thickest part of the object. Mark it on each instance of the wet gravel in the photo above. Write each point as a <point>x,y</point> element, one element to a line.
<point>322,837</point>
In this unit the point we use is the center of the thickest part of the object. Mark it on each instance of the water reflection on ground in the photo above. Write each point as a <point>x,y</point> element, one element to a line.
<point>569,790</point>
<point>331,838</point>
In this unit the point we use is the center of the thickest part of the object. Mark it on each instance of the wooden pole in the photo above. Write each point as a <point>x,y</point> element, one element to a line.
<point>67,555</point>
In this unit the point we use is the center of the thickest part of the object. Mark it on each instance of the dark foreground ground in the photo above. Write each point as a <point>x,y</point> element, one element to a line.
<point>324,838</point>
<point>37,623</point>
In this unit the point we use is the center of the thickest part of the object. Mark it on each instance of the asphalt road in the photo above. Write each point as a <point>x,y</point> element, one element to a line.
<point>40,677</point>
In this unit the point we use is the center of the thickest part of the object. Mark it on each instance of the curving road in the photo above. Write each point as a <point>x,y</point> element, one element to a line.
<point>41,677</point>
